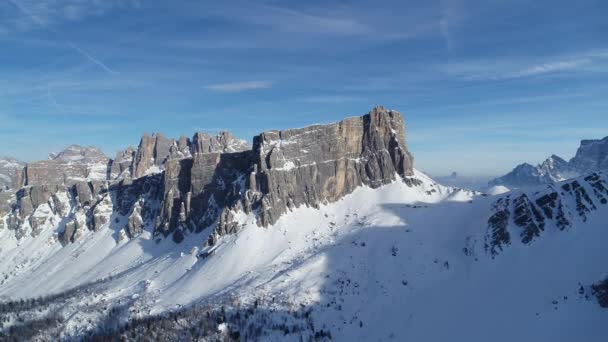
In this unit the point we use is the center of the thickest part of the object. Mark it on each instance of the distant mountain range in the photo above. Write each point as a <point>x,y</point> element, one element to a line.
<point>591,156</point>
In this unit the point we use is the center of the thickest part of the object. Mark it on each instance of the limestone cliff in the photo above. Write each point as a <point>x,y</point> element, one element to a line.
<point>176,187</point>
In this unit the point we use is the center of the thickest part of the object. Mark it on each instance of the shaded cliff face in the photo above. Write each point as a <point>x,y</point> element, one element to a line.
<point>155,151</point>
<point>197,189</point>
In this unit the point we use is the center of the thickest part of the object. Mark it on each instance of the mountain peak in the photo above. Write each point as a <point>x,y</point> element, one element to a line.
<point>592,155</point>
<point>77,153</point>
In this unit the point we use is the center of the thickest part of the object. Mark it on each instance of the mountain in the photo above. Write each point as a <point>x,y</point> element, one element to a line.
<point>9,168</point>
<point>326,232</point>
<point>72,165</point>
<point>591,156</point>
<point>552,170</point>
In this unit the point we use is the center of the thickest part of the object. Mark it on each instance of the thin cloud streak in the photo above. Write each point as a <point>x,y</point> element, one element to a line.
<point>499,70</point>
<point>551,67</point>
<point>43,24</point>
<point>91,58</point>
<point>239,86</point>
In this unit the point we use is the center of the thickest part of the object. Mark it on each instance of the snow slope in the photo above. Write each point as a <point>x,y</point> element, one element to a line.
<point>390,264</point>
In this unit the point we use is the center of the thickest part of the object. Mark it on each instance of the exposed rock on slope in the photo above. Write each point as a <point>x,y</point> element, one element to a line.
<point>600,291</point>
<point>591,156</point>
<point>9,167</point>
<point>560,206</point>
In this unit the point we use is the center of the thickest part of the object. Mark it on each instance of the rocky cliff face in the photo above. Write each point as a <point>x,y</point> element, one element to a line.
<point>72,165</point>
<point>591,156</point>
<point>527,215</point>
<point>197,189</point>
<point>155,151</point>
<point>320,164</point>
<point>176,187</point>
<point>9,168</point>
<point>79,189</point>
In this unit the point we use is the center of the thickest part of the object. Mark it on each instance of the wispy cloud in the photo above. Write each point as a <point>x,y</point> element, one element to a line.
<point>332,99</point>
<point>291,20</point>
<point>50,13</point>
<point>239,86</point>
<point>328,21</point>
<point>43,16</point>
<point>447,14</point>
<point>500,69</point>
<point>546,68</point>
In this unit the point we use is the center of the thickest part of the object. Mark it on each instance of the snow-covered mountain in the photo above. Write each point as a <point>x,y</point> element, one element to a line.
<point>9,168</point>
<point>591,156</point>
<point>324,232</point>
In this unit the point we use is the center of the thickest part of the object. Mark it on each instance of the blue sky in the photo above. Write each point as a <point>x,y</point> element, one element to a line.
<point>483,85</point>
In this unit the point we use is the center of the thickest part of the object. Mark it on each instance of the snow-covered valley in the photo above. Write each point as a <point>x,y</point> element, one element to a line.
<point>397,263</point>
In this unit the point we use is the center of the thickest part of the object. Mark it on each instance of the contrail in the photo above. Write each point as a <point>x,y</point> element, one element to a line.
<point>42,24</point>
<point>90,58</point>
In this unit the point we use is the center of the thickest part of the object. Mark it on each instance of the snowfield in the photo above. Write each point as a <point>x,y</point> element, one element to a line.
<point>397,263</point>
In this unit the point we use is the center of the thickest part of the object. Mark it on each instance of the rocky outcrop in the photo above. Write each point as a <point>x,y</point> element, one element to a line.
<point>600,291</point>
<point>7,199</point>
<point>153,151</point>
<point>72,165</point>
<point>591,156</point>
<point>498,233</point>
<point>532,212</point>
<point>156,150</point>
<point>186,185</point>
<point>528,218</point>
<point>320,164</point>
<point>223,142</point>
<point>83,206</point>
<point>197,189</point>
<point>121,165</point>
<point>9,169</point>
<point>94,188</point>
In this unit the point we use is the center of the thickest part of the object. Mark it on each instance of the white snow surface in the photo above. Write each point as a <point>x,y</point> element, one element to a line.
<point>497,190</point>
<point>381,264</point>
